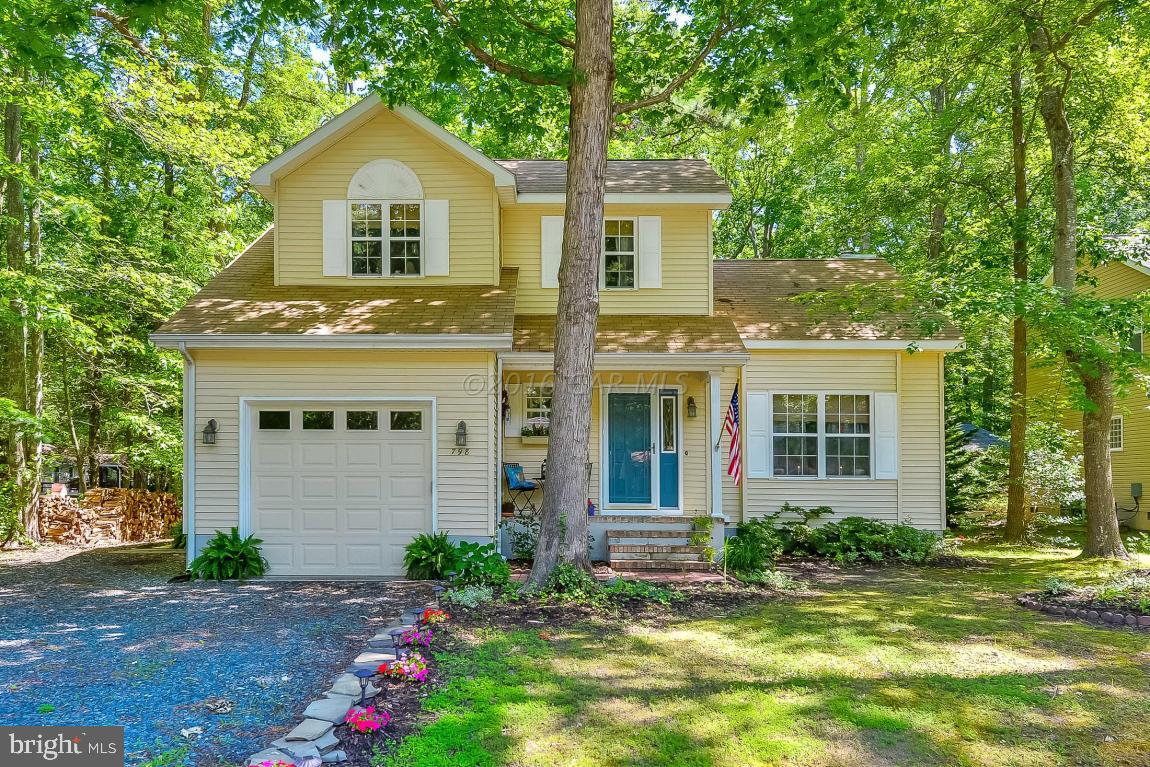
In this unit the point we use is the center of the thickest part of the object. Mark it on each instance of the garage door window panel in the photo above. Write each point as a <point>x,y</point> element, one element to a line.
<point>406,420</point>
<point>319,420</point>
<point>275,420</point>
<point>362,420</point>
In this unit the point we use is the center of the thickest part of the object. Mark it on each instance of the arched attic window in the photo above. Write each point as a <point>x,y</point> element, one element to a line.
<point>385,227</point>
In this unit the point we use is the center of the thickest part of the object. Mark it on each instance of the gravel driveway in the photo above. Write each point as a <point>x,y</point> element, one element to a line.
<point>100,637</point>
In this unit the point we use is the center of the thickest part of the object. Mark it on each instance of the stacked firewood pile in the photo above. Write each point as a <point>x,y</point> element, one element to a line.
<point>108,515</point>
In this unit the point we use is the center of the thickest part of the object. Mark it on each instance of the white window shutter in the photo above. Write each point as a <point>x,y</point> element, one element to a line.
<point>335,234</point>
<point>513,426</point>
<point>437,240</point>
<point>650,252</point>
<point>886,435</point>
<point>758,417</point>
<point>551,250</point>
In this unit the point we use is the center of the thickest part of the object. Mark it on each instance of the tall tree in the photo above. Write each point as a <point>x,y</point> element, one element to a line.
<point>573,50</point>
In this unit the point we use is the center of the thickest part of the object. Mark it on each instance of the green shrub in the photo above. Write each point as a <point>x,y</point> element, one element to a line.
<point>755,546</point>
<point>523,529</point>
<point>230,557</point>
<point>470,596</point>
<point>856,539</point>
<point>770,579</point>
<point>571,584</point>
<point>178,536</point>
<point>796,534</point>
<point>481,565</point>
<point>430,556</point>
<point>641,590</point>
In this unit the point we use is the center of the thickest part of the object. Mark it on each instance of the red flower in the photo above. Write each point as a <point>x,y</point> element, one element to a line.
<point>383,668</point>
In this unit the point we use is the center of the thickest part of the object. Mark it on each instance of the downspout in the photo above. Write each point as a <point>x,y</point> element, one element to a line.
<point>189,483</point>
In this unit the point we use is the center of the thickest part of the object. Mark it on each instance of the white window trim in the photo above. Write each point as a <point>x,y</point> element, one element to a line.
<point>386,267</point>
<point>821,434</point>
<point>1121,434</point>
<point>603,252</point>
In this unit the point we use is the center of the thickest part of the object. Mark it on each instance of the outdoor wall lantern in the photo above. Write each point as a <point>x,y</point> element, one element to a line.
<point>461,434</point>
<point>692,408</point>
<point>210,432</point>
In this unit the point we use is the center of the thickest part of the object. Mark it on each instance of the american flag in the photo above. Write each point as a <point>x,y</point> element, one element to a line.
<point>731,428</point>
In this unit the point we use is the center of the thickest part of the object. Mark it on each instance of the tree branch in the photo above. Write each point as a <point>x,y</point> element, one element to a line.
<point>724,26</point>
<point>489,60</point>
<point>531,26</point>
<point>120,24</point>
<point>1080,22</point>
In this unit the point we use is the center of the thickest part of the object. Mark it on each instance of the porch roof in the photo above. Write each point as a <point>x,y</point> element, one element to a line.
<point>637,334</point>
<point>243,301</point>
<point>758,295</point>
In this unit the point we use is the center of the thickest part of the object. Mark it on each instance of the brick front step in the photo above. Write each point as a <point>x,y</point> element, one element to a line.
<point>658,564</point>
<point>653,548</point>
<point>648,534</point>
<point>624,519</point>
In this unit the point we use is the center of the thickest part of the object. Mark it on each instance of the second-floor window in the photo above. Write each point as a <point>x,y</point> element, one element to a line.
<point>619,255</point>
<point>386,239</point>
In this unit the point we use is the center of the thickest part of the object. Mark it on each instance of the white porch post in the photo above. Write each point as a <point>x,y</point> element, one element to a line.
<point>715,426</point>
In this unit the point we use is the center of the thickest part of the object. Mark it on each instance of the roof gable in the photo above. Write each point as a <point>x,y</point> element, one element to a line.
<point>344,123</point>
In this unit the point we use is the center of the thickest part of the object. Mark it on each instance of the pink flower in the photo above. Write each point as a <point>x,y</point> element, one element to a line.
<point>367,719</point>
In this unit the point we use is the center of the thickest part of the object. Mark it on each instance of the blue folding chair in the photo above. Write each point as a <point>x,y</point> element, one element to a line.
<point>519,487</point>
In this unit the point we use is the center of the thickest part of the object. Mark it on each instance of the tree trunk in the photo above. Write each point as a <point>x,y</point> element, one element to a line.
<point>938,207</point>
<point>563,526</point>
<point>1103,538</point>
<point>33,444</point>
<point>1016,508</point>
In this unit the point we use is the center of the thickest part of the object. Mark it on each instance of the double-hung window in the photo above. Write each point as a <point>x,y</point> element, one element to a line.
<point>536,411</point>
<point>1116,433</point>
<point>821,435</point>
<point>386,239</point>
<point>619,254</point>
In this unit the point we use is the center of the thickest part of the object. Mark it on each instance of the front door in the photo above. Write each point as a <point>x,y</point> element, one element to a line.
<point>629,448</point>
<point>668,449</point>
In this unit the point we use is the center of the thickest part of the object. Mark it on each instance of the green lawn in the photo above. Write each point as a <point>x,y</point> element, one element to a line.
<point>893,667</point>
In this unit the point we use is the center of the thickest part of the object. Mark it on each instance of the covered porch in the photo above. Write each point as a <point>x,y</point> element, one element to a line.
<point>660,394</point>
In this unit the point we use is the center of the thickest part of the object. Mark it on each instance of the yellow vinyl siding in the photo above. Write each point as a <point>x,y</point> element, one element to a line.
<point>1049,399</point>
<point>444,175</point>
<point>466,483</point>
<point>695,499</point>
<point>916,497</point>
<point>685,256</point>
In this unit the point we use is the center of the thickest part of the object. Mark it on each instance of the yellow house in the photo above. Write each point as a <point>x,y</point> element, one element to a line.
<point>367,368</point>
<point>1130,426</point>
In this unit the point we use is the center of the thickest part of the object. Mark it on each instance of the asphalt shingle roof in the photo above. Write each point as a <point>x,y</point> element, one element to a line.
<point>637,333</point>
<point>242,299</point>
<point>758,295</point>
<point>623,176</point>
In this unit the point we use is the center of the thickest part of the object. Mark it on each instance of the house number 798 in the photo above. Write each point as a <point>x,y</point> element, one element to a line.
<point>461,451</point>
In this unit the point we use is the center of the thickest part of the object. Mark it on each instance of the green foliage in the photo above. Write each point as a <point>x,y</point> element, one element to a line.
<point>178,536</point>
<point>973,476</point>
<point>523,530</point>
<point>470,596</point>
<point>227,556</point>
<point>776,580</point>
<point>430,556</point>
<point>857,539</point>
<point>640,590</point>
<point>481,565</point>
<point>569,583</point>
<point>754,547</point>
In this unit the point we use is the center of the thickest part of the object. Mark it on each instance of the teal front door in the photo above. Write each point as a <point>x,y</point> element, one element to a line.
<point>629,446</point>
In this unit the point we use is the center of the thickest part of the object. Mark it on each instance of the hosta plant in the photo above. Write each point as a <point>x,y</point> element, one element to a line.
<point>430,556</point>
<point>367,719</point>
<point>230,557</point>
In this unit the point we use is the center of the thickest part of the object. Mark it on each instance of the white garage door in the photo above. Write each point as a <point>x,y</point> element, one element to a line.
<point>339,489</point>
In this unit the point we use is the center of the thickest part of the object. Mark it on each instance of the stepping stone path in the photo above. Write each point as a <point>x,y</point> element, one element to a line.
<point>316,737</point>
